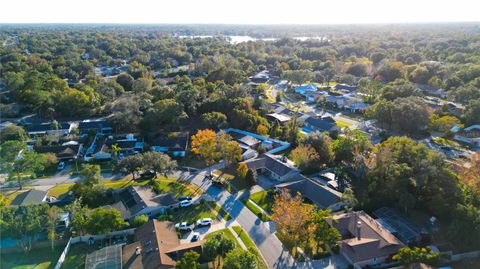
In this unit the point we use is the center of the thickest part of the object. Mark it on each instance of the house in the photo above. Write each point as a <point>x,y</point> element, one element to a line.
<point>365,241</point>
<point>142,200</point>
<point>303,89</point>
<point>174,146</point>
<point>315,192</point>
<point>313,97</point>
<point>250,141</point>
<point>346,87</point>
<point>338,101</point>
<point>32,196</point>
<point>276,167</point>
<point>102,147</point>
<point>469,136</point>
<point>357,107</point>
<point>156,246</point>
<point>260,77</point>
<point>98,126</point>
<point>323,124</point>
<point>281,118</point>
<point>48,128</point>
<point>63,152</point>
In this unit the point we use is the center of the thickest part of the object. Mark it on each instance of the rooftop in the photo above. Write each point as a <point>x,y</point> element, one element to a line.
<point>29,197</point>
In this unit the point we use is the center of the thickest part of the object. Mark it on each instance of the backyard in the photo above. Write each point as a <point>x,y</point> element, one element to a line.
<point>37,258</point>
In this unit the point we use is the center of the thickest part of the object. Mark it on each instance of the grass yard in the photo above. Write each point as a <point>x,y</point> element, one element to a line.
<point>76,256</point>
<point>257,211</point>
<point>228,174</point>
<point>173,185</point>
<point>227,233</point>
<point>42,258</point>
<point>250,245</point>
<point>342,124</point>
<point>191,160</point>
<point>10,195</point>
<point>203,210</point>
<point>264,199</point>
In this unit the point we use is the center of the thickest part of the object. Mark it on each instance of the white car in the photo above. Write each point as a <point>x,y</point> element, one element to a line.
<point>195,237</point>
<point>185,203</point>
<point>184,226</point>
<point>204,222</point>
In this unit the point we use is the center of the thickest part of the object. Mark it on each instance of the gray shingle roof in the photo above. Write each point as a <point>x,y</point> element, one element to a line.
<point>29,197</point>
<point>272,163</point>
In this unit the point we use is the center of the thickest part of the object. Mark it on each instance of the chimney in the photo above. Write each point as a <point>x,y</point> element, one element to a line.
<point>138,251</point>
<point>359,227</point>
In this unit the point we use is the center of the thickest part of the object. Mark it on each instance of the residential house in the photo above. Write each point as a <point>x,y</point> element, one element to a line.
<point>338,101</point>
<point>323,124</point>
<point>32,196</point>
<point>279,168</point>
<point>281,118</point>
<point>98,126</point>
<point>142,200</point>
<point>63,152</point>
<point>303,89</point>
<point>469,136</point>
<point>313,97</point>
<point>174,146</point>
<point>357,107</point>
<point>48,128</point>
<point>250,141</point>
<point>365,241</point>
<point>315,192</point>
<point>156,246</point>
<point>346,87</point>
<point>260,77</point>
<point>399,225</point>
<point>102,147</point>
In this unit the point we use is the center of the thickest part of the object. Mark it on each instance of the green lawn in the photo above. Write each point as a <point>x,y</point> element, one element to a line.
<point>228,175</point>
<point>173,185</point>
<point>227,233</point>
<point>76,256</point>
<point>203,210</point>
<point>250,205</point>
<point>264,199</point>
<point>43,258</point>
<point>250,245</point>
<point>342,124</point>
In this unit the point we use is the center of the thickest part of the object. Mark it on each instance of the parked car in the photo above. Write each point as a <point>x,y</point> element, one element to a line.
<point>195,237</point>
<point>184,226</point>
<point>146,175</point>
<point>184,198</point>
<point>61,166</point>
<point>204,222</point>
<point>185,203</point>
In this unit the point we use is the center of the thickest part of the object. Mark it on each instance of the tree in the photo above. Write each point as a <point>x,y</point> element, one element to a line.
<point>262,130</point>
<point>52,218</point>
<point>323,232</point>
<point>352,144</point>
<point>472,112</point>
<point>215,120</point>
<point>23,223</point>
<point>349,198</point>
<point>142,85</point>
<point>102,221</point>
<point>240,260</point>
<point>164,112</point>
<point>126,81</point>
<point>217,246</point>
<point>127,113</point>
<point>27,161</point>
<point>12,132</point>
<point>306,157</point>
<point>209,250</point>
<point>391,71</point>
<point>78,216</point>
<point>242,170</point>
<point>292,217</point>
<point>443,124</point>
<point>204,144</point>
<point>131,164</point>
<point>138,221</point>
<point>357,69</point>
<point>322,143</point>
<point>90,174</point>
<point>409,256</point>
<point>251,177</point>
<point>229,150</point>
<point>159,162</point>
<point>189,260</point>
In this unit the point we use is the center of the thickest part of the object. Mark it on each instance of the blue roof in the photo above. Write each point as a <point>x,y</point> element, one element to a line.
<point>306,88</point>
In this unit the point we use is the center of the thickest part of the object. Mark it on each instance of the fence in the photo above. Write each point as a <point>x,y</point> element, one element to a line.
<point>64,255</point>
<point>87,238</point>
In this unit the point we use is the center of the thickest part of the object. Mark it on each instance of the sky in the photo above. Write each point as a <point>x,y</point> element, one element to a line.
<point>239,11</point>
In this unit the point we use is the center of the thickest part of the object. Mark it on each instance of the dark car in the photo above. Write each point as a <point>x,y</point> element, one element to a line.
<point>183,198</point>
<point>217,183</point>
<point>146,175</point>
